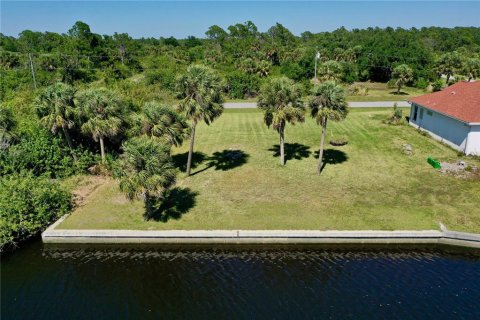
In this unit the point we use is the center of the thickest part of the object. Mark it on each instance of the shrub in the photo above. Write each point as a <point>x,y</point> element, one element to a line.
<point>117,71</point>
<point>241,85</point>
<point>357,89</point>
<point>293,70</point>
<point>421,83</point>
<point>27,205</point>
<point>164,77</point>
<point>396,118</point>
<point>42,154</point>
<point>339,141</point>
<point>162,70</point>
<point>437,85</point>
<point>350,72</point>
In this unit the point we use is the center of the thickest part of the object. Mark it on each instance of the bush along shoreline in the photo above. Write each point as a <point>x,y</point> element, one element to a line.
<point>28,204</point>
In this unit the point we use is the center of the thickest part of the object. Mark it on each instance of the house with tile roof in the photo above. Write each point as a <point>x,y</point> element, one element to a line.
<point>451,115</point>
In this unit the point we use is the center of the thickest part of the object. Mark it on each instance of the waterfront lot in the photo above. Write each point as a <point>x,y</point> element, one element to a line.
<point>238,183</point>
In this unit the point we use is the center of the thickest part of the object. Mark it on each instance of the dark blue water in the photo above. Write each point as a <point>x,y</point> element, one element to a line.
<point>239,283</point>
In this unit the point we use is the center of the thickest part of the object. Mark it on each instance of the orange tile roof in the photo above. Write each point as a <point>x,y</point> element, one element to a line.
<point>460,101</point>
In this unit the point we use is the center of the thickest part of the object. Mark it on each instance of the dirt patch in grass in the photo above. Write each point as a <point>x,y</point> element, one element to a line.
<point>86,188</point>
<point>460,169</point>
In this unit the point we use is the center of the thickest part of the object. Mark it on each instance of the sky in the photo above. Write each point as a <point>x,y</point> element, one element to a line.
<point>183,18</point>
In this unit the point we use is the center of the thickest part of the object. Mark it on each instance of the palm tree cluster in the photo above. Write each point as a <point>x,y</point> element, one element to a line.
<point>57,110</point>
<point>280,100</point>
<point>102,111</point>
<point>145,168</point>
<point>255,66</point>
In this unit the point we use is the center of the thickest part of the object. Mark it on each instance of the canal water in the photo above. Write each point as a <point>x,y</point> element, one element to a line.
<point>108,282</point>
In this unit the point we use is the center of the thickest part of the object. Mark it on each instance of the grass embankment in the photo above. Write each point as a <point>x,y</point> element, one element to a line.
<point>239,184</point>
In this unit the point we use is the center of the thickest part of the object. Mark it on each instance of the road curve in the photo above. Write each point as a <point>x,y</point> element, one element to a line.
<point>352,104</point>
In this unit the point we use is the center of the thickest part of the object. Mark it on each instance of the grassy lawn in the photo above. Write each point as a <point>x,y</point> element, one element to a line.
<point>380,92</point>
<point>239,184</point>
<point>376,92</point>
<point>241,100</point>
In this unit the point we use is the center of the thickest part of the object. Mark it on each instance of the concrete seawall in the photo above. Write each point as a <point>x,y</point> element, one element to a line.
<point>445,237</point>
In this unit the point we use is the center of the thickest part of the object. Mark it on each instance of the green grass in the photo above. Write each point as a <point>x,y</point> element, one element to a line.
<point>241,100</point>
<point>367,184</point>
<point>376,92</point>
<point>380,92</point>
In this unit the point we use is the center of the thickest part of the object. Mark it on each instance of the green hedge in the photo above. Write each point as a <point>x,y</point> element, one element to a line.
<point>27,205</point>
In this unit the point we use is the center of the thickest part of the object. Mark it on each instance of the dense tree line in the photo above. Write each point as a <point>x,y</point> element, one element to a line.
<point>241,53</point>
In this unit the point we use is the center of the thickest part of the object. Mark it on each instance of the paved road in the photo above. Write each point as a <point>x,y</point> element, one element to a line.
<point>374,104</point>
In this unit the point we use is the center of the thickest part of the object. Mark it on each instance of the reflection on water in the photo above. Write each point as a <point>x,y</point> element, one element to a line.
<point>109,282</point>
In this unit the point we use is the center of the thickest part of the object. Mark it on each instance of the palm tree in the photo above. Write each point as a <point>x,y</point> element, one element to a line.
<point>472,68</point>
<point>163,122</point>
<point>330,71</point>
<point>200,93</point>
<point>280,100</point>
<point>402,74</point>
<point>448,64</point>
<point>328,102</point>
<point>146,171</point>
<point>263,68</point>
<point>102,111</point>
<point>56,109</point>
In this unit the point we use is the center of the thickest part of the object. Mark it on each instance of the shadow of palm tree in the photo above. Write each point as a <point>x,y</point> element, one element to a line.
<point>332,156</point>
<point>228,159</point>
<point>401,93</point>
<point>177,202</point>
<point>225,160</point>
<point>292,151</point>
<point>180,160</point>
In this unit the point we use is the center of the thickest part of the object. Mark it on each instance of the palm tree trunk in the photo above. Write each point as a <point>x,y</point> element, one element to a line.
<point>190,151</point>
<point>322,144</point>
<point>148,207</point>
<point>398,89</point>
<point>282,145</point>
<point>102,149</point>
<point>69,142</point>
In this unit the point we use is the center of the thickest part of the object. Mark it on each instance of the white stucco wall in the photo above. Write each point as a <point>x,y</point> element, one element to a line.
<point>473,141</point>
<point>448,130</point>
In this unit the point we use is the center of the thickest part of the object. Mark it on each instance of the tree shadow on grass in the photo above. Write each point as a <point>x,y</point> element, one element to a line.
<point>331,156</point>
<point>292,151</point>
<point>177,202</point>
<point>225,160</point>
<point>180,160</point>
<point>401,93</point>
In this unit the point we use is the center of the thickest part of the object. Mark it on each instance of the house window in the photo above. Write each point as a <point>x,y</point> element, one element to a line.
<point>421,113</point>
<point>415,111</point>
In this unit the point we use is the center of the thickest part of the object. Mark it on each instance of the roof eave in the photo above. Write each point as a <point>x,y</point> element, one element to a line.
<point>445,114</point>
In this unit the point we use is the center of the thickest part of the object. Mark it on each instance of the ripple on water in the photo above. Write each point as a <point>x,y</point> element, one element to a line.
<point>256,282</point>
